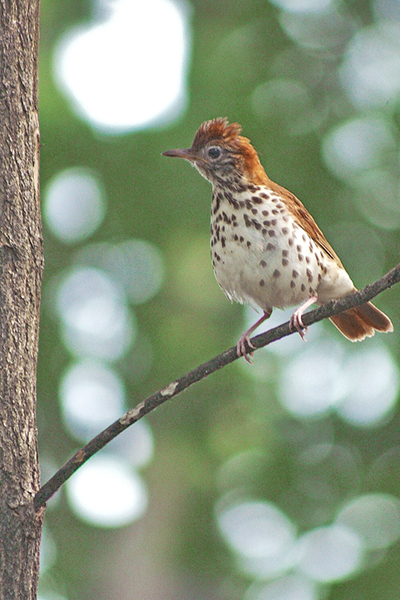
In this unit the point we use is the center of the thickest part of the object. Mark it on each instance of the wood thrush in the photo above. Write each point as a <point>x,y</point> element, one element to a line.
<point>266,248</point>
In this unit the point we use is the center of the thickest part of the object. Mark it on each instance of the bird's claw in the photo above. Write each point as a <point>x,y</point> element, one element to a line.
<point>241,348</point>
<point>296,322</point>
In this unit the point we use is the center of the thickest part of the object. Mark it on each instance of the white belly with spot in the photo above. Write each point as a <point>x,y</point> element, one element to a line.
<point>275,266</point>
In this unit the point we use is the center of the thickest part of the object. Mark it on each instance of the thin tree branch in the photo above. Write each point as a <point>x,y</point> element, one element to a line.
<point>176,387</point>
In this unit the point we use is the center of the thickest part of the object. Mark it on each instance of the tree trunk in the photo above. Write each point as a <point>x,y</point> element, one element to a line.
<point>21,264</point>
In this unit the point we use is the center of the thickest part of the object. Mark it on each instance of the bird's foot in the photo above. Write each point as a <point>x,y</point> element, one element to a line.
<point>296,322</point>
<point>242,345</point>
<point>244,341</point>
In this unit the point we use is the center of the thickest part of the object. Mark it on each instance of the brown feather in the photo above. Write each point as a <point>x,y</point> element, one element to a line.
<point>361,321</point>
<point>305,220</point>
<point>217,130</point>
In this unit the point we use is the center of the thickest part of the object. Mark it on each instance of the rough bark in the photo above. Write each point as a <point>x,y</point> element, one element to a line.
<point>21,262</point>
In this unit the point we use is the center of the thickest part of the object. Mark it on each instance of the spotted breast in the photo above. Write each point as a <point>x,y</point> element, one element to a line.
<point>259,253</point>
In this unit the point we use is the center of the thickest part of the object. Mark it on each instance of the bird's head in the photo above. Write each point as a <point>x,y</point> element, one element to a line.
<point>222,155</point>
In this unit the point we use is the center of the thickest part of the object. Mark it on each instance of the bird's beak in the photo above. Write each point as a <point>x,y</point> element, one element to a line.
<point>186,153</point>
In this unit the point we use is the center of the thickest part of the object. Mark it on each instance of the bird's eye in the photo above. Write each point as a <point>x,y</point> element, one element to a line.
<point>214,152</point>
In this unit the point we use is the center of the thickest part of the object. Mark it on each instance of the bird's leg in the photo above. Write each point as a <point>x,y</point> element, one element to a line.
<point>244,339</point>
<point>296,321</point>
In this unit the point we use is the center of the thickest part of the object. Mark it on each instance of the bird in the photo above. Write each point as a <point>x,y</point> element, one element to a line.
<point>266,248</point>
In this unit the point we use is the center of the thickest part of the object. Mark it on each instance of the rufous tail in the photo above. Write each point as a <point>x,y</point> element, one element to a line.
<point>362,321</point>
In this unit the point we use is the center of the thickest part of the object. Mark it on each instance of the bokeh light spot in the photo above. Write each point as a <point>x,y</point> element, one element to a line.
<point>303,6</point>
<point>92,397</point>
<point>107,493</point>
<point>373,385</point>
<point>375,518</point>
<point>96,319</point>
<point>330,553</point>
<point>74,205</point>
<point>386,10</point>
<point>290,587</point>
<point>318,29</point>
<point>358,145</point>
<point>378,197</point>
<point>361,384</point>
<point>127,71</point>
<point>371,70</point>
<point>256,529</point>
<point>136,265</point>
<point>306,391</point>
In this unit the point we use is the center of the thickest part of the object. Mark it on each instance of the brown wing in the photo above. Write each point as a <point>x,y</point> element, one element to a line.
<point>305,220</point>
